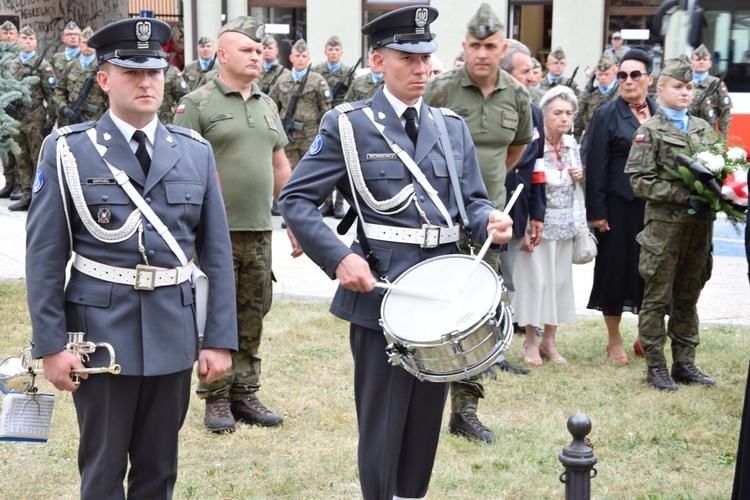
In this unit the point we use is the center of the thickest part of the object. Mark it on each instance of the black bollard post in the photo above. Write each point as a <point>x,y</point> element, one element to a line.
<point>578,459</point>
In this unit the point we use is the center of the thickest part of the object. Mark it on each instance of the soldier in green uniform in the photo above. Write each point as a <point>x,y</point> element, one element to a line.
<point>38,120</point>
<point>534,91</point>
<point>272,70</point>
<point>602,90</point>
<point>618,49</point>
<point>364,86</point>
<point>175,87</point>
<point>71,83</point>
<point>716,106</point>
<point>314,101</point>
<point>675,259</point>
<point>8,32</point>
<point>556,63</point>
<point>497,111</point>
<point>195,72</point>
<point>71,38</point>
<point>333,70</point>
<point>248,139</point>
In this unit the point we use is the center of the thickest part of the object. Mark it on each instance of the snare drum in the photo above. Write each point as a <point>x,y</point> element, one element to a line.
<point>457,333</point>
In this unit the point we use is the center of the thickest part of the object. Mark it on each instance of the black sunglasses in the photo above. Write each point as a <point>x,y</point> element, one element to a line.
<point>634,75</point>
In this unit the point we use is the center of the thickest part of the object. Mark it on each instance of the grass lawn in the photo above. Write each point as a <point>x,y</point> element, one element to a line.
<point>649,444</point>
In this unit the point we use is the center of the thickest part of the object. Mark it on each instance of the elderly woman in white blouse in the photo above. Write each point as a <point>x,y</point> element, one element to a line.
<point>544,287</point>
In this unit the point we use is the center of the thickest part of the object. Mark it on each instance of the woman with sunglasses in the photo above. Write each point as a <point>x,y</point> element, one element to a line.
<point>611,206</point>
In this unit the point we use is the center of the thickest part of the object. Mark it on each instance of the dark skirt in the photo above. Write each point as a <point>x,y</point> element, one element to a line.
<point>617,285</point>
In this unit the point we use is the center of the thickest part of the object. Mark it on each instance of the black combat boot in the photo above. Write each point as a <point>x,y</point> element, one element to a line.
<point>468,425</point>
<point>685,372</point>
<point>658,376</point>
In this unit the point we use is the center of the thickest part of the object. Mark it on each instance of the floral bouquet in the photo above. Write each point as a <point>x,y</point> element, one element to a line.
<point>717,178</point>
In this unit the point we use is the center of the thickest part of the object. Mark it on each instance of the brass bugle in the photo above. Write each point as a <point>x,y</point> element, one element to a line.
<point>17,374</point>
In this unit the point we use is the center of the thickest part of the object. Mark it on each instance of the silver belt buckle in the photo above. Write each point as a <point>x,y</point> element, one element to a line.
<point>428,231</point>
<point>145,277</point>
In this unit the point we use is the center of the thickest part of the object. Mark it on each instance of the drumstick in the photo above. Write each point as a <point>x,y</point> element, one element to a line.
<point>487,243</point>
<point>409,290</point>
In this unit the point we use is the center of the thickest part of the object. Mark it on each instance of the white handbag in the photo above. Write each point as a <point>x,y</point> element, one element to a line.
<point>584,242</point>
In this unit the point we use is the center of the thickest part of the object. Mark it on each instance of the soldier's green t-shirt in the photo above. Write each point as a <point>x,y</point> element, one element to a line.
<point>243,134</point>
<point>502,119</point>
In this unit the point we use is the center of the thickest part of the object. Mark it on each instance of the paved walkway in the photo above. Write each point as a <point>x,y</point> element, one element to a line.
<point>725,299</point>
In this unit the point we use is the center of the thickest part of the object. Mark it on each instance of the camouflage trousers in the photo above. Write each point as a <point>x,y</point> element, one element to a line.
<point>30,141</point>
<point>251,251</point>
<point>302,140</point>
<point>675,262</point>
<point>465,394</point>
<point>10,172</point>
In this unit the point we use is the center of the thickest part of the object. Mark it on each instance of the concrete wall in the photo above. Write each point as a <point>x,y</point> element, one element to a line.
<point>579,30</point>
<point>326,18</point>
<point>209,19</point>
<point>49,17</point>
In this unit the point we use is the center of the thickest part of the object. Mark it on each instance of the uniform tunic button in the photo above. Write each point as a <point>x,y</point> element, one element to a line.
<point>151,253</point>
<point>187,197</point>
<point>148,200</point>
<point>80,298</point>
<point>149,226</point>
<point>421,198</point>
<point>105,197</point>
<point>382,173</point>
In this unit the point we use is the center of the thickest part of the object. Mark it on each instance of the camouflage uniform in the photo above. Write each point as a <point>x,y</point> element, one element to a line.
<point>36,119</point>
<point>268,79</point>
<point>244,135</point>
<point>196,76</point>
<point>497,121</point>
<point>68,90</point>
<point>333,77</point>
<point>362,87</point>
<point>314,102</point>
<point>545,84</point>
<point>717,107</point>
<point>60,59</point>
<point>675,258</point>
<point>175,87</point>
<point>590,100</point>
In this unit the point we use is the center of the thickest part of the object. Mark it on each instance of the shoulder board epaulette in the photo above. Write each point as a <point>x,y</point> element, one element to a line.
<point>346,107</point>
<point>78,127</point>
<point>448,112</point>
<point>185,131</point>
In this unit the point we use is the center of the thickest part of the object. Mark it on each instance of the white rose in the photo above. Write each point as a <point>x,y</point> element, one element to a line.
<point>714,162</point>
<point>736,154</point>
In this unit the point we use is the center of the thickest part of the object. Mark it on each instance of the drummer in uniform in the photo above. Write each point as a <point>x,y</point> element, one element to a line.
<point>128,286</point>
<point>399,417</point>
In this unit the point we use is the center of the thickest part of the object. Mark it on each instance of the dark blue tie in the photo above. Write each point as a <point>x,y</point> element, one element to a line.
<point>141,153</point>
<point>410,115</point>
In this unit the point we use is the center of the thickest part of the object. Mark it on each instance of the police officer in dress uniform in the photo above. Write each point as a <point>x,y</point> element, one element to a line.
<point>604,90</point>
<point>37,121</point>
<point>556,63</point>
<point>127,285</point>
<point>497,111</point>
<point>71,38</point>
<point>675,259</point>
<point>314,101</point>
<point>399,417</point>
<point>715,108</point>
<point>71,83</point>
<point>195,72</point>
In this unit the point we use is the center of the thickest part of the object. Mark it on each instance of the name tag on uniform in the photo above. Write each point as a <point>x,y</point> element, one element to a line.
<point>100,180</point>
<point>218,118</point>
<point>382,156</point>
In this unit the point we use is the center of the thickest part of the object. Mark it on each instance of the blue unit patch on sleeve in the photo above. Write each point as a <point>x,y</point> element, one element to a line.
<point>316,146</point>
<point>38,182</point>
<point>52,80</point>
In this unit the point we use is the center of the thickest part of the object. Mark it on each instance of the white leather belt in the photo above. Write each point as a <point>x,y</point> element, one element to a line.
<point>141,278</point>
<point>426,237</point>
